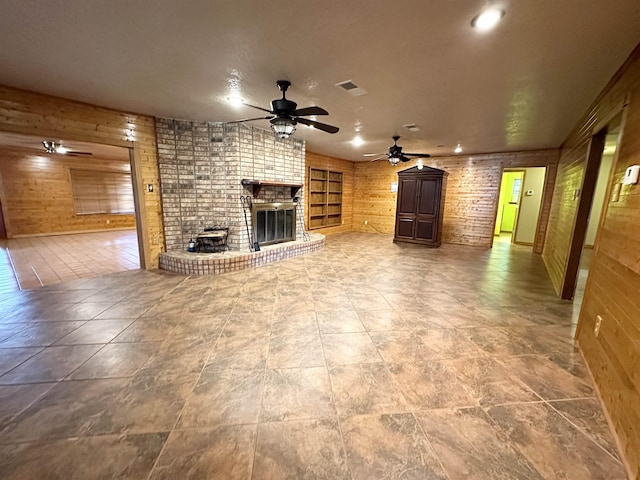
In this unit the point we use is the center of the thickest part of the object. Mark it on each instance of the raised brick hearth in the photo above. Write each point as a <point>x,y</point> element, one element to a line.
<point>213,263</point>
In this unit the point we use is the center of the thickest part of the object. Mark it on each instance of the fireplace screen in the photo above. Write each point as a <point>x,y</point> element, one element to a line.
<point>274,222</point>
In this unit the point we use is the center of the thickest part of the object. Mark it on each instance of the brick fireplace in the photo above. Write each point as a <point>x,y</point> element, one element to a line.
<point>202,166</point>
<point>204,170</point>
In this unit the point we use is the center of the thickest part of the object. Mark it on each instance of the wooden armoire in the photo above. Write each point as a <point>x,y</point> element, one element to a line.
<point>420,206</point>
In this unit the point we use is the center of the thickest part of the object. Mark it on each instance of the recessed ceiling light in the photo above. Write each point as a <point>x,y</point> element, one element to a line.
<point>487,19</point>
<point>235,100</point>
<point>357,141</point>
<point>458,149</point>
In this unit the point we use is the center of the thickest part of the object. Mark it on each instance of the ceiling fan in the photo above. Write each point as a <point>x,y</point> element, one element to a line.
<point>395,153</point>
<point>54,147</point>
<point>284,114</point>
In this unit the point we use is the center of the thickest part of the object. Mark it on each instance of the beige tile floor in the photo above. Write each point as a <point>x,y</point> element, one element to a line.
<point>32,262</point>
<point>366,360</point>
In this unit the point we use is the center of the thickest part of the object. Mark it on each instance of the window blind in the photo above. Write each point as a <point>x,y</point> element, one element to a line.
<point>96,192</point>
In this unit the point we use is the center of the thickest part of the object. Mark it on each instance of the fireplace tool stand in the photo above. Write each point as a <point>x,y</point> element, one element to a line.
<point>305,235</point>
<point>247,205</point>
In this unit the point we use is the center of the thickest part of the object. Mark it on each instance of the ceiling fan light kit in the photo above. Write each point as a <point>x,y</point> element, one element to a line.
<point>283,127</point>
<point>395,154</point>
<point>284,115</point>
<point>54,147</point>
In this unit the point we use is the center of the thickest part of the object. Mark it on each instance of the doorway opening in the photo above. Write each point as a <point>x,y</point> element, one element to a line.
<point>593,200</point>
<point>69,212</point>
<point>519,203</point>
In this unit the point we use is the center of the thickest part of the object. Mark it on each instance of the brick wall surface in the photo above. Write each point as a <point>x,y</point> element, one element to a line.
<point>201,168</point>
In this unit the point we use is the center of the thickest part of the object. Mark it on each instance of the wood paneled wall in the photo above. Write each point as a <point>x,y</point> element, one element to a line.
<point>32,113</point>
<point>470,207</point>
<point>37,197</point>
<point>338,165</point>
<point>614,275</point>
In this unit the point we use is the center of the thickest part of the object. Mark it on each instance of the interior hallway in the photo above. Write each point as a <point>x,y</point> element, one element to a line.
<point>32,262</point>
<point>365,360</point>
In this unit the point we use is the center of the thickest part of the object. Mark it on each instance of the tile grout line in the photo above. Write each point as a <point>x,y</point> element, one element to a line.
<point>262,388</point>
<point>581,430</point>
<point>333,397</point>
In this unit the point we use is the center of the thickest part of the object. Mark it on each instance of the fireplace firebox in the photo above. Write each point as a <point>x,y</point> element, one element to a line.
<point>274,222</point>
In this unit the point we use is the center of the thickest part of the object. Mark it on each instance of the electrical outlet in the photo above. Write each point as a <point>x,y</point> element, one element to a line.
<point>366,222</point>
<point>596,329</point>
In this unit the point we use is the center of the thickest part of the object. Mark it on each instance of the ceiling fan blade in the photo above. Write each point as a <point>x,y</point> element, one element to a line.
<point>404,159</point>
<point>424,155</point>
<point>259,108</point>
<point>372,154</point>
<point>309,111</point>
<point>380,158</point>
<point>320,126</point>
<point>250,119</point>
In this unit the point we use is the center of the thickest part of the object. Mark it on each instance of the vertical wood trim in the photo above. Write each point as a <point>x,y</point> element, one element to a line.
<point>3,206</point>
<point>545,205</point>
<point>140,207</point>
<point>585,199</point>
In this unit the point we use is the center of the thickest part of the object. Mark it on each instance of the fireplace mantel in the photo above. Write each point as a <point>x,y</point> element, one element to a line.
<point>258,184</point>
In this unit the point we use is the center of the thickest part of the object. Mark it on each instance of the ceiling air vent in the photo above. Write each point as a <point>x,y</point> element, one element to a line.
<point>412,127</point>
<point>351,88</point>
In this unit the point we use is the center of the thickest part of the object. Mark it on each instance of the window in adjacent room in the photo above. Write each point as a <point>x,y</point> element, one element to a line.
<point>96,192</point>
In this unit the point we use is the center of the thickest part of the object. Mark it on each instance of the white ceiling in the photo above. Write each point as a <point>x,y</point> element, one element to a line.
<point>523,85</point>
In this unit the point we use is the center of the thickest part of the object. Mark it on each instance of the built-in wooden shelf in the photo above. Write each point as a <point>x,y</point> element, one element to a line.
<point>325,198</point>
<point>258,184</point>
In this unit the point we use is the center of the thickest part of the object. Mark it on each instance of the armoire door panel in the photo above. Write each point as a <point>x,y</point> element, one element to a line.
<point>404,227</point>
<point>425,230</point>
<point>429,196</point>
<point>407,196</point>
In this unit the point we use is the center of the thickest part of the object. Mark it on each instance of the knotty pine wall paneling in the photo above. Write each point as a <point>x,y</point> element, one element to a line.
<point>37,197</point>
<point>338,165</point>
<point>471,198</point>
<point>613,283</point>
<point>33,113</point>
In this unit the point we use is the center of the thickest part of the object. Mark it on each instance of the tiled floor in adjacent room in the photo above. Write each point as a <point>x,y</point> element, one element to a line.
<point>366,360</point>
<point>33,262</point>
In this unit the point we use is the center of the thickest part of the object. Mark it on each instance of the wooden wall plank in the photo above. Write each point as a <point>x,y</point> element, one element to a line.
<point>37,197</point>
<point>614,274</point>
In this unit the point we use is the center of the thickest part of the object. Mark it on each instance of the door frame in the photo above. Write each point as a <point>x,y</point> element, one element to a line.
<point>3,228</point>
<point>592,168</point>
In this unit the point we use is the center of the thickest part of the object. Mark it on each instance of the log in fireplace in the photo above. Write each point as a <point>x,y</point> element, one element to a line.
<point>274,222</point>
